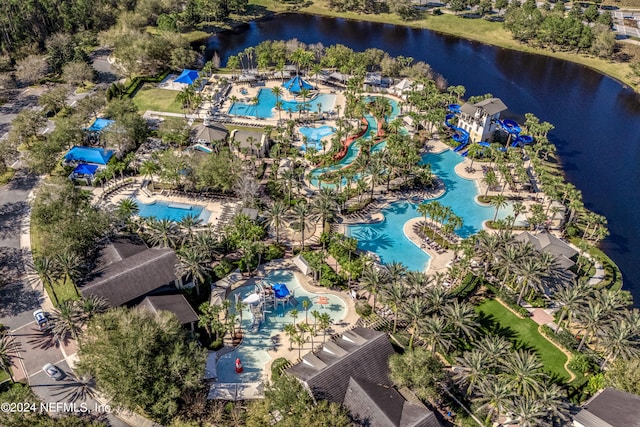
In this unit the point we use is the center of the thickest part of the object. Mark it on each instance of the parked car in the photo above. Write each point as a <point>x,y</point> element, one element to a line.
<point>53,372</point>
<point>41,319</point>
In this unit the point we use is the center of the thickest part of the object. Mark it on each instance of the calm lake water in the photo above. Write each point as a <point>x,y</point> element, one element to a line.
<point>596,119</point>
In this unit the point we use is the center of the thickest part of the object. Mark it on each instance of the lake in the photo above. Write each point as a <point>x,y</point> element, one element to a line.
<point>596,118</point>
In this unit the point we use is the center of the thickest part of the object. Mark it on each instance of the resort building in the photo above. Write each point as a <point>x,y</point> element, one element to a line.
<point>127,270</point>
<point>249,143</point>
<point>609,408</point>
<point>210,133</point>
<point>547,242</point>
<point>480,119</point>
<point>87,162</point>
<point>353,371</point>
<point>176,304</point>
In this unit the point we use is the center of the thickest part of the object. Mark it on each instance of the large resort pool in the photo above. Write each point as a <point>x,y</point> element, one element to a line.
<point>171,211</point>
<point>265,108</point>
<point>253,352</point>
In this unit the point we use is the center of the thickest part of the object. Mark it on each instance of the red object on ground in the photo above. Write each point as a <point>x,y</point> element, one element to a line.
<point>239,367</point>
<point>345,144</point>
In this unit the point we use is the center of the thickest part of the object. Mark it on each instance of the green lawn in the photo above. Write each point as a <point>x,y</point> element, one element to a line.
<point>151,98</point>
<point>523,333</point>
<point>3,376</point>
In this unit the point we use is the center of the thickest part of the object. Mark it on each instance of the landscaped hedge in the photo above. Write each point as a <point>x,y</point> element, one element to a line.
<point>508,300</point>
<point>466,287</point>
<point>277,366</point>
<point>135,84</point>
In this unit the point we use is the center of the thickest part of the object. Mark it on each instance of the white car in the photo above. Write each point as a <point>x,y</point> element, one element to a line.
<point>41,319</point>
<point>52,371</point>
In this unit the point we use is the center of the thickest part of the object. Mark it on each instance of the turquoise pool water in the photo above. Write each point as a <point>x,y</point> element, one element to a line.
<point>172,211</point>
<point>253,350</point>
<point>387,238</point>
<point>267,103</point>
<point>314,135</point>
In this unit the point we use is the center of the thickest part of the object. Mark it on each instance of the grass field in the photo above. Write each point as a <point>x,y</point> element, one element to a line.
<point>492,33</point>
<point>151,98</point>
<point>524,334</point>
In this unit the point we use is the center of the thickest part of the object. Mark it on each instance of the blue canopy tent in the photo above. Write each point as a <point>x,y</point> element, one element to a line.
<point>296,84</point>
<point>96,156</point>
<point>86,170</point>
<point>100,124</point>
<point>280,290</point>
<point>187,77</point>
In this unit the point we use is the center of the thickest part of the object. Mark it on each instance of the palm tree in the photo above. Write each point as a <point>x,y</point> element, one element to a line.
<point>275,216</point>
<point>474,370</point>
<point>372,281</point>
<point>494,396</point>
<point>528,411</point>
<point>126,209</point>
<point>394,294</point>
<point>294,315</point>
<point>90,306</point>
<point>413,312</point>
<point>498,201</point>
<point>300,340</point>
<point>620,339</point>
<point>302,213</point>
<point>47,270</point>
<point>324,321</point>
<point>570,298</point>
<point>187,226</point>
<point>592,318</point>
<point>66,321</point>
<point>531,273</point>
<point>193,263</point>
<point>163,233</point>
<point>524,371</point>
<point>554,402</point>
<point>290,331</point>
<point>306,304</point>
<point>494,347</point>
<point>69,266</point>
<point>436,334</point>
<point>462,318</point>
<point>7,348</point>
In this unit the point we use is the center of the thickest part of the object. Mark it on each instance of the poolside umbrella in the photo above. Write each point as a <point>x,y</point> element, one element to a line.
<point>296,84</point>
<point>322,301</point>
<point>251,299</point>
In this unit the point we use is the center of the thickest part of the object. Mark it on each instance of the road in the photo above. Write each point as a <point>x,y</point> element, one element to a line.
<point>20,295</point>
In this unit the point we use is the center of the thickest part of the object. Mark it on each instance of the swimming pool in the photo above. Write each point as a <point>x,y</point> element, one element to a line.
<point>253,350</point>
<point>387,238</point>
<point>172,211</point>
<point>267,103</point>
<point>314,135</point>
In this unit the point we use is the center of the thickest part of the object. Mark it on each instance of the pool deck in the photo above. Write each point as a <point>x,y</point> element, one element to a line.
<point>439,261</point>
<point>280,348</point>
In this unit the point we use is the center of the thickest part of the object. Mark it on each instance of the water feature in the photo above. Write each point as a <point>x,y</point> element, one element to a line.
<point>314,136</point>
<point>589,110</point>
<point>267,102</point>
<point>253,350</point>
<point>172,211</point>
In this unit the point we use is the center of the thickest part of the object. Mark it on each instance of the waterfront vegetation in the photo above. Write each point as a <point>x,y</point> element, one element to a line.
<point>501,363</point>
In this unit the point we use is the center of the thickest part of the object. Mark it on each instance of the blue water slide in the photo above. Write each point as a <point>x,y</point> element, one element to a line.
<point>510,126</point>
<point>447,121</point>
<point>465,153</point>
<point>484,144</point>
<point>454,108</point>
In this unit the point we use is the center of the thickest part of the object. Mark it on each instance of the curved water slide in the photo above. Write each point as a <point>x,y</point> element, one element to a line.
<point>459,135</point>
<point>514,129</point>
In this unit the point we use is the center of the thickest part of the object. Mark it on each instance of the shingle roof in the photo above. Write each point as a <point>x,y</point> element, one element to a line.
<point>326,372</point>
<point>133,277</point>
<point>547,242</point>
<point>610,407</point>
<point>491,106</point>
<point>212,132</point>
<point>176,304</point>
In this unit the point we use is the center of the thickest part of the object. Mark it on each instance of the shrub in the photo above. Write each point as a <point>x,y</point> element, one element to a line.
<point>363,309</point>
<point>583,363</point>
<point>223,268</point>
<point>216,345</point>
<point>274,252</point>
<point>277,366</point>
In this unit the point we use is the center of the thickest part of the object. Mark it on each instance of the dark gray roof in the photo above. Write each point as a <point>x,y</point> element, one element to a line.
<point>118,248</point>
<point>242,136</point>
<point>610,407</point>
<point>490,106</point>
<point>382,406</point>
<point>211,132</point>
<point>132,277</point>
<point>176,304</point>
<point>547,242</point>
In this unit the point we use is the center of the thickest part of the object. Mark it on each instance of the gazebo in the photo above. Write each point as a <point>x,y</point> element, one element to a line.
<point>296,84</point>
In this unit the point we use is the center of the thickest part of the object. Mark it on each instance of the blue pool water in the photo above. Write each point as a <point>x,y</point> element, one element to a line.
<point>387,238</point>
<point>172,211</point>
<point>267,103</point>
<point>314,135</point>
<point>253,350</point>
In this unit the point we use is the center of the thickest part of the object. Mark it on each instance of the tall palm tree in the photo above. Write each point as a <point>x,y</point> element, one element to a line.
<point>90,306</point>
<point>474,370</point>
<point>524,371</point>
<point>498,201</point>
<point>436,334</point>
<point>276,214</point>
<point>528,411</point>
<point>66,321</point>
<point>413,312</point>
<point>620,339</point>
<point>325,206</point>
<point>531,273</point>
<point>494,348</point>
<point>163,233</point>
<point>462,318</point>
<point>69,266</point>
<point>372,281</point>
<point>302,214</point>
<point>47,269</point>
<point>394,295</point>
<point>570,298</point>
<point>554,402</point>
<point>187,227</point>
<point>194,264</point>
<point>7,348</point>
<point>494,396</point>
<point>126,209</point>
<point>592,318</point>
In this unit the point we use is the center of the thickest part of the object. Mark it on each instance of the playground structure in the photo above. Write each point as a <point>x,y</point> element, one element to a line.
<point>266,298</point>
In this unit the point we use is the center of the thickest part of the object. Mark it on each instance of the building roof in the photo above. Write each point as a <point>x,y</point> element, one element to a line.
<point>547,242</point>
<point>85,169</point>
<point>187,77</point>
<point>353,371</point>
<point>610,408</point>
<point>490,106</point>
<point>211,132</point>
<point>381,406</point>
<point>133,276</point>
<point>100,124</point>
<point>176,304</point>
<point>242,136</point>
<point>93,155</point>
